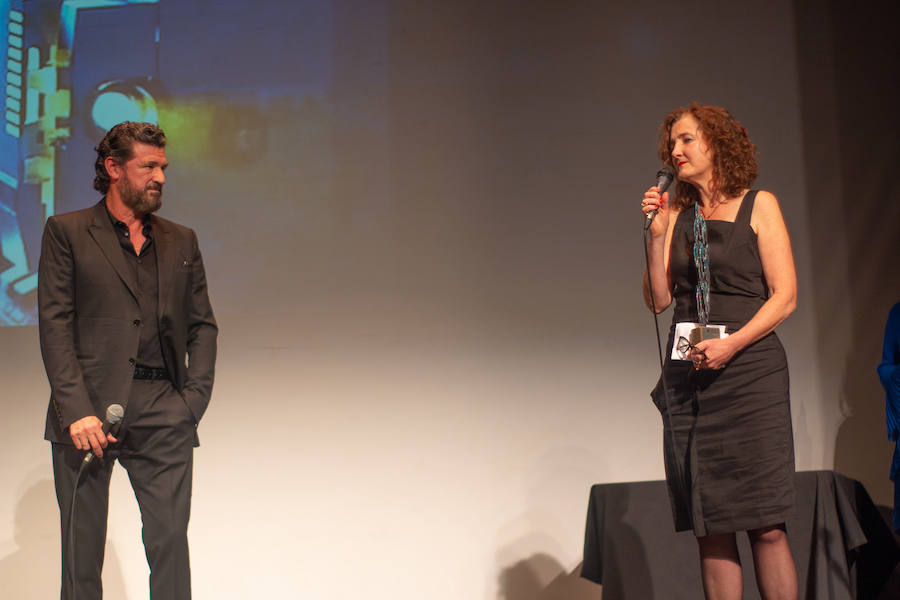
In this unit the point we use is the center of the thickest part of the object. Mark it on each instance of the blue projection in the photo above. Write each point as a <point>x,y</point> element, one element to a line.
<point>207,72</point>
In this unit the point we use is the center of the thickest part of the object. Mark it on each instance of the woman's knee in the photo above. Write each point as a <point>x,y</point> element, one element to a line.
<point>718,545</point>
<point>771,535</point>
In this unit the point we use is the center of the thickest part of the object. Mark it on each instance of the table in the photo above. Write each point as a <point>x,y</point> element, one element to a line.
<point>843,548</point>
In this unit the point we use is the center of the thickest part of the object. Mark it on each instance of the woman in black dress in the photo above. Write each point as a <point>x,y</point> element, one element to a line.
<point>728,441</point>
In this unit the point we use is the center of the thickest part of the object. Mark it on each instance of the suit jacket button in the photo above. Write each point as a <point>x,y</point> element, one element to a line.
<point>136,322</point>
<point>131,362</point>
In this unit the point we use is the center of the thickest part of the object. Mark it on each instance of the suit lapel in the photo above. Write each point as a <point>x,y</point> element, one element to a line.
<point>101,229</point>
<point>165,259</point>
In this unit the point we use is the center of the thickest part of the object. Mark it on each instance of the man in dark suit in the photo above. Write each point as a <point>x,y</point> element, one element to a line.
<point>125,319</point>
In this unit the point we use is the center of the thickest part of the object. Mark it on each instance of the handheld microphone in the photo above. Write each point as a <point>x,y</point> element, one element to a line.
<point>664,178</point>
<point>114,414</point>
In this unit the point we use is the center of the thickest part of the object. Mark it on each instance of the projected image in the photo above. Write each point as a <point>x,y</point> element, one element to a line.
<point>227,81</point>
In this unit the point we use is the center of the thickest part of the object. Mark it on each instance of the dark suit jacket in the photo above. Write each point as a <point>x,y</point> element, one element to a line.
<point>90,319</point>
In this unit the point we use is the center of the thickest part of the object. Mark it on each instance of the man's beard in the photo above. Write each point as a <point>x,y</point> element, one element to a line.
<point>140,201</point>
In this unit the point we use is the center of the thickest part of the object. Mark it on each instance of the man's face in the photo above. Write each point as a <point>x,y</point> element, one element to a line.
<point>142,179</point>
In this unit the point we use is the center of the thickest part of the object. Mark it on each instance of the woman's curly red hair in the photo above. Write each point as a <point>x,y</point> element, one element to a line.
<point>733,154</point>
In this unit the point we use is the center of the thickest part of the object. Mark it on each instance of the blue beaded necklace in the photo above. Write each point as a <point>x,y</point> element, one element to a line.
<point>701,261</point>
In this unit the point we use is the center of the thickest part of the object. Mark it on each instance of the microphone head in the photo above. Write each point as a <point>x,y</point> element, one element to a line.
<point>664,178</point>
<point>114,413</point>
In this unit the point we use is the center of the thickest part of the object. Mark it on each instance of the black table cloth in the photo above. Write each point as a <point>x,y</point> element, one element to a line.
<point>843,548</point>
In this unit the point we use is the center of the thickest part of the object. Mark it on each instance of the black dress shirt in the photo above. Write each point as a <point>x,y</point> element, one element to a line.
<point>143,267</point>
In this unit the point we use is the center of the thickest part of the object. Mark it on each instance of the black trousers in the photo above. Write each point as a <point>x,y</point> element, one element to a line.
<point>156,442</point>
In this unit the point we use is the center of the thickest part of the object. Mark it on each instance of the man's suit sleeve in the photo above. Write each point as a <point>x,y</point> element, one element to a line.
<point>201,339</point>
<point>889,372</point>
<point>56,318</point>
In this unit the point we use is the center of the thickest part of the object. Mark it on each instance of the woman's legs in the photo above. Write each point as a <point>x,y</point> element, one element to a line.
<point>720,567</point>
<point>775,572</point>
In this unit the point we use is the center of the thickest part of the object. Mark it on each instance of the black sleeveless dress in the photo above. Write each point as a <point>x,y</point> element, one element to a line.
<point>729,449</point>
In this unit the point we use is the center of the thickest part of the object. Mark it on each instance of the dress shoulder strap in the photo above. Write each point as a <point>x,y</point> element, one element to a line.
<point>743,217</point>
<point>685,218</point>
<point>741,229</point>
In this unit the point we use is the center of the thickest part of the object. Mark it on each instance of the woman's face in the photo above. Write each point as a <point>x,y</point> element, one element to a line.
<point>691,157</point>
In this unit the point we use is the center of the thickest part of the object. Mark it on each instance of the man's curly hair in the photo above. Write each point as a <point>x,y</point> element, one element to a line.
<point>119,144</point>
<point>733,154</point>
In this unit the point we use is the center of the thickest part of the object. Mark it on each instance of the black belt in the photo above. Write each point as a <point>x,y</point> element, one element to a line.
<point>150,373</point>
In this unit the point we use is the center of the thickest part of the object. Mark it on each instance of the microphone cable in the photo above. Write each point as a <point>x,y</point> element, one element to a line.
<point>70,533</point>
<point>667,413</point>
<point>114,414</point>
